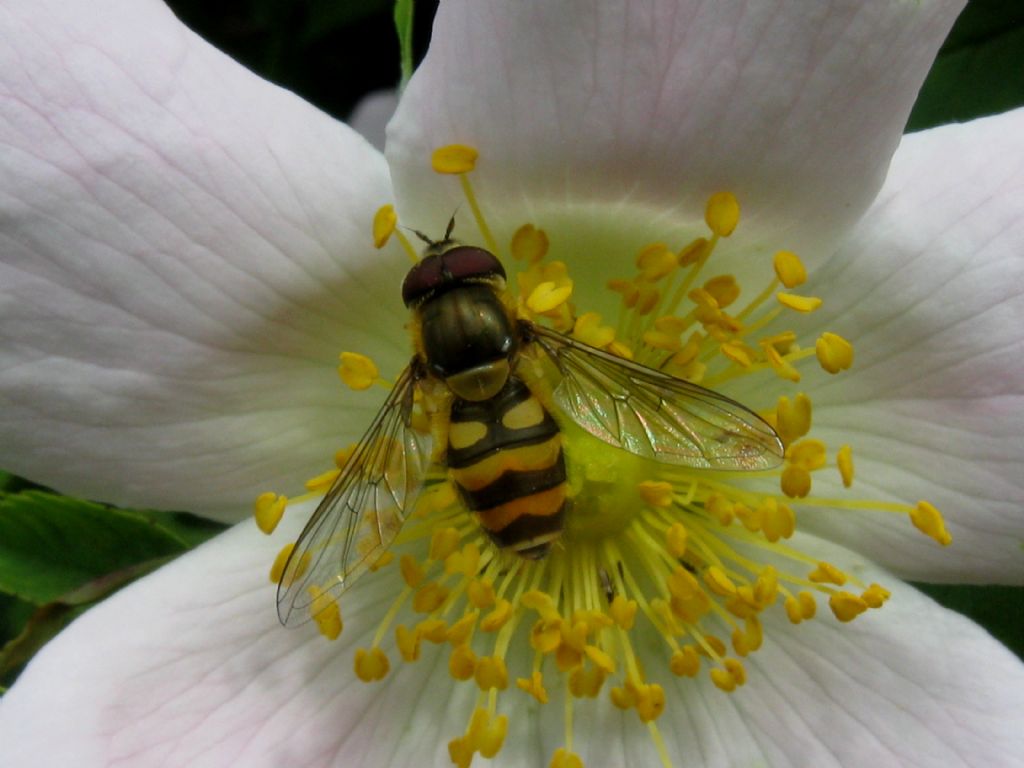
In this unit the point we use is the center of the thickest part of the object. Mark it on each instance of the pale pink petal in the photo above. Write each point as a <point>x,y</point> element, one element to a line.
<point>635,113</point>
<point>929,288</point>
<point>189,667</point>
<point>185,250</point>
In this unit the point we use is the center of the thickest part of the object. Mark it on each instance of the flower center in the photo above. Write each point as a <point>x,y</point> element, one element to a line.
<point>688,557</point>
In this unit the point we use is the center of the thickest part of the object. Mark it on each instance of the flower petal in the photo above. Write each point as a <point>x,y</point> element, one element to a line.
<point>644,110</point>
<point>189,666</point>
<point>186,249</point>
<point>930,290</point>
<point>911,683</point>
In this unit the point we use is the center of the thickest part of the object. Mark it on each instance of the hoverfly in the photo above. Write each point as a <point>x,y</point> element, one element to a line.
<point>473,372</point>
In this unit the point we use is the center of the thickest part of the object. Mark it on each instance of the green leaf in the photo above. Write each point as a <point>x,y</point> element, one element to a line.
<point>51,545</point>
<point>324,18</point>
<point>978,71</point>
<point>403,23</point>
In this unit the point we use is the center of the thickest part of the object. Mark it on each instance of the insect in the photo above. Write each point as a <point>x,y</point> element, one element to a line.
<point>489,384</point>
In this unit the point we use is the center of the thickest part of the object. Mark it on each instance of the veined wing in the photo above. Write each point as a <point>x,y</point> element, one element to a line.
<point>652,414</point>
<point>364,509</point>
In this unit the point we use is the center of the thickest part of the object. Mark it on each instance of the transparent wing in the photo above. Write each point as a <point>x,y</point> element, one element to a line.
<point>655,415</point>
<point>364,509</point>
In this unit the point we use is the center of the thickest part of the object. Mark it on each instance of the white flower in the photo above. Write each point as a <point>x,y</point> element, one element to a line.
<point>185,250</point>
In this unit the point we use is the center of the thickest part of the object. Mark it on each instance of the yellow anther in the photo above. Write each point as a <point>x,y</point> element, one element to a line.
<point>777,520</point>
<point>460,751</point>
<point>466,561</point>
<point>625,288</point>
<point>808,454</point>
<point>429,597</point>
<point>481,593</point>
<point>724,289</point>
<point>927,519</point>
<point>655,261</point>
<point>547,296</point>
<point>798,303</point>
<point>461,631</point>
<point>656,493</point>
<point>546,635</point>
<point>875,595</point>
<point>462,662</point>
<point>497,618</point>
<point>656,339</point>
<point>490,739</point>
<point>675,540</point>
<point>619,349</point>
<point>322,482</point>
<point>622,696</point>
<point>623,612</point>
<point>324,610</point>
<point>796,482</point>
<point>720,508</point>
<point>381,561</point>
<point>718,582</point>
<point>722,213</point>
<point>789,269</point>
<point>834,353</point>
<point>357,371</point>
<point>682,584</point>
<point>735,668</point>
<point>269,509</point>
<point>723,679</point>
<point>792,606</point>
<point>766,587</point>
<point>589,330</point>
<point>793,419</point>
<point>738,352</point>
<point>384,222</point>
<point>575,635</point>
<point>408,642</point>
<point>277,569</point>
<point>586,682</point>
<point>747,640</point>
<point>541,602</point>
<point>443,543</point>
<point>342,456</point>
<point>529,244</point>
<point>685,662</point>
<point>371,664</point>
<point>534,686</point>
<point>491,673</point>
<point>594,620</point>
<point>454,158</point>
<point>565,759</point>
<point>847,606</point>
<point>432,630</point>
<point>844,460</point>
<point>412,572</point>
<point>782,367</point>
<point>693,252</point>
<point>808,606</point>
<point>650,701</point>
<point>647,299</point>
<point>826,573</point>
<point>601,659</point>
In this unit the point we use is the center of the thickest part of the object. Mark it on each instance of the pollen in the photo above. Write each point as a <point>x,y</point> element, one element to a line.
<point>357,371</point>
<point>663,567</point>
<point>269,509</point>
<point>454,158</point>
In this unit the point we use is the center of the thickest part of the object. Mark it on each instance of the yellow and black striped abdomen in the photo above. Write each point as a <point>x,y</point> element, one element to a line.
<point>505,457</point>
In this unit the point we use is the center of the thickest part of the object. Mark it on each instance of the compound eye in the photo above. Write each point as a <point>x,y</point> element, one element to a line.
<point>465,262</point>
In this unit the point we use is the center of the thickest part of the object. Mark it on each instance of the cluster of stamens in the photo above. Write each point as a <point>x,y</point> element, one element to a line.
<point>692,556</point>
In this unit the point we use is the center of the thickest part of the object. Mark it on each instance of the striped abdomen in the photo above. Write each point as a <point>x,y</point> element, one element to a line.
<point>505,457</point>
